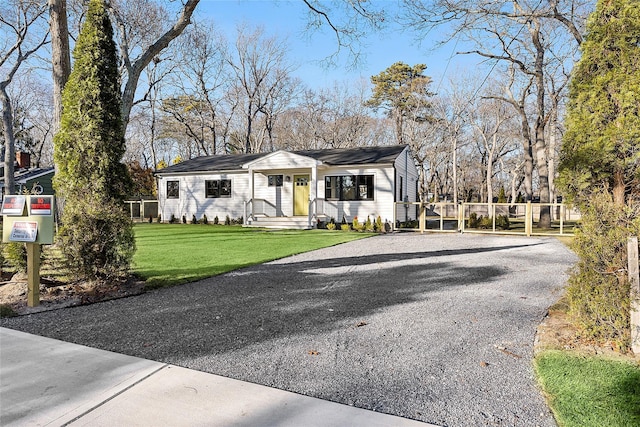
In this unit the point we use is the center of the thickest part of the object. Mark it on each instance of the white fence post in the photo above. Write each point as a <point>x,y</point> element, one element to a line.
<point>634,281</point>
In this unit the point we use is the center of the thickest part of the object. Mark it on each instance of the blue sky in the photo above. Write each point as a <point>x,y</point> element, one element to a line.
<point>287,18</point>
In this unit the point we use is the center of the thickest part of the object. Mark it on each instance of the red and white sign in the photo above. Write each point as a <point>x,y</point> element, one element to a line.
<point>13,205</point>
<point>24,231</point>
<point>41,205</point>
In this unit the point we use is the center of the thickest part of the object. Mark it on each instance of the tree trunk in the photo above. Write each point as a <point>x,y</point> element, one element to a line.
<point>619,187</point>
<point>60,58</point>
<point>9,142</point>
<point>541,147</point>
<point>455,169</point>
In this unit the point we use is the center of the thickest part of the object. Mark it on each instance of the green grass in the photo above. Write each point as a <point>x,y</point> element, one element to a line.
<point>171,254</point>
<point>590,391</point>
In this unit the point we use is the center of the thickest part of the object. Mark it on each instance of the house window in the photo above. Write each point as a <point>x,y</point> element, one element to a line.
<point>275,180</point>
<point>349,187</point>
<point>217,188</point>
<point>173,189</point>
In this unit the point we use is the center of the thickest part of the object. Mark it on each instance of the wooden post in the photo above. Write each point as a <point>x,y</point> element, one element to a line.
<point>528,220</point>
<point>33,274</point>
<point>634,281</point>
<point>423,217</point>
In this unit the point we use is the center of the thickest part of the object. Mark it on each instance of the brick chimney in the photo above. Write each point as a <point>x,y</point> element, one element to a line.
<point>23,159</point>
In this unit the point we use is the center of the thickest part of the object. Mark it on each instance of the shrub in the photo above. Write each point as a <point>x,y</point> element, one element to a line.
<point>410,223</point>
<point>598,289</point>
<point>216,221</point>
<point>173,219</point>
<point>82,240</point>
<point>7,311</point>
<point>184,219</point>
<point>485,222</point>
<point>194,220</point>
<point>150,219</point>
<point>159,219</point>
<point>502,196</point>
<point>331,226</point>
<point>502,222</point>
<point>15,254</point>
<point>368,225</point>
<point>345,227</point>
<point>227,220</point>
<point>379,226</point>
<point>357,225</point>
<point>204,219</point>
<point>472,222</point>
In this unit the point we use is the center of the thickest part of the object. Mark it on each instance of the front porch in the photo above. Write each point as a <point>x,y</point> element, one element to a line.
<point>283,189</point>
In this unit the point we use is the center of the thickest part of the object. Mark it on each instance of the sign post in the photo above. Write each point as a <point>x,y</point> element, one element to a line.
<point>29,219</point>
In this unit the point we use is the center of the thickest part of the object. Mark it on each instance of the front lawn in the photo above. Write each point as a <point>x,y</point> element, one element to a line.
<point>170,254</point>
<point>590,391</point>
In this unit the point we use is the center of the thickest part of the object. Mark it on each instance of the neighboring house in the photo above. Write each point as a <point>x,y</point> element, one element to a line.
<point>28,179</point>
<point>291,189</point>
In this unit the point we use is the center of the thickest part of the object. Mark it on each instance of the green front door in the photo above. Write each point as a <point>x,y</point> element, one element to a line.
<point>300,195</point>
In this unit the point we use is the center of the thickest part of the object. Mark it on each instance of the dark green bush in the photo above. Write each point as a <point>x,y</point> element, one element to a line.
<point>194,220</point>
<point>85,246</point>
<point>227,220</point>
<point>485,223</point>
<point>15,255</point>
<point>502,222</point>
<point>216,221</point>
<point>204,219</point>
<point>473,220</point>
<point>184,219</point>
<point>173,219</point>
<point>7,311</point>
<point>598,289</point>
<point>379,226</point>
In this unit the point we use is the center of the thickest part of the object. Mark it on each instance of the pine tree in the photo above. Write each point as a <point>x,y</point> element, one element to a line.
<point>96,234</point>
<point>403,91</point>
<point>600,166</point>
<point>600,147</point>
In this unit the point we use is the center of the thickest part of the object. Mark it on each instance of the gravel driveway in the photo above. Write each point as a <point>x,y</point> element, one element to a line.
<point>434,327</point>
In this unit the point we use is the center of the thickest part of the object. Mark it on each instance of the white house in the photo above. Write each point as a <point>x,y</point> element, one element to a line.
<point>292,189</point>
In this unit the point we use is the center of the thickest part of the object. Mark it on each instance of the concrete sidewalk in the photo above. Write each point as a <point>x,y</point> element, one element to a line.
<point>49,382</point>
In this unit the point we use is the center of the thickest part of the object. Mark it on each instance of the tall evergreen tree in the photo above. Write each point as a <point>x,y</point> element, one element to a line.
<point>96,234</point>
<point>600,168</point>
<point>601,145</point>
<point>403,92</point>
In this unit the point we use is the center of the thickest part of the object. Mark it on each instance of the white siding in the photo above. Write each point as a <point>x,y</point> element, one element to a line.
<point>278,201</point>
<point>383,197</point>
<point>282,160</point>
<point>192,199</point>
<point>406,185</point>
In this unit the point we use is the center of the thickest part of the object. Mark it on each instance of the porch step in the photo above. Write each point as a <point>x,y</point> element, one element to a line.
<point>296,223</point>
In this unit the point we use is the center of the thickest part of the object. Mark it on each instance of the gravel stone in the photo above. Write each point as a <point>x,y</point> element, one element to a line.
<point>434,327</point>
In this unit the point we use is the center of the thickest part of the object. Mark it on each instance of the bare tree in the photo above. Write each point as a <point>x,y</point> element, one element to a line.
<point>19,20</point>
<point>494,139</point>
<point>259,67</point>
<point>141,40</point>
<point>202,82</point>
<point>521,34</point>
<point>32,117</point>
<point>349,21</point>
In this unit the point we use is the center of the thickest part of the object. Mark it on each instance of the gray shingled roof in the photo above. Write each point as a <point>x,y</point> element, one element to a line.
<point>337,157</point>
<point>23,175</point>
